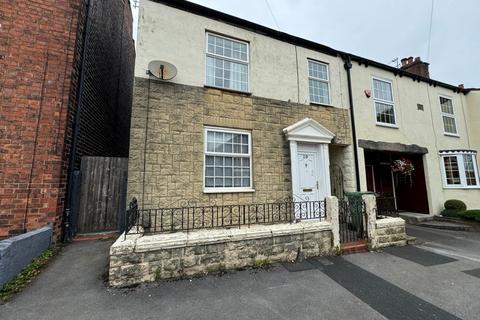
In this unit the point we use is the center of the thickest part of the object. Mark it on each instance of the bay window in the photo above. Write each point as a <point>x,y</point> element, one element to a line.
<point>459,169</point>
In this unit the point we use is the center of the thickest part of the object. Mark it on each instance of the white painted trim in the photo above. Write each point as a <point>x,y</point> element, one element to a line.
<point>383,124</point>
<point>294,165</point>
<point>448,115</point>
<point>297,132</point>
<point>227,190</point>
<point>307,143</point>
<point>223,154</point>
<point>391,103</point>
<point>207,54</point>
<point>461,169</point>
<point>326,169</point>
<point>327,81</point>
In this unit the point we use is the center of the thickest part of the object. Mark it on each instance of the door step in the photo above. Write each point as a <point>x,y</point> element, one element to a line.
<point>354,247</point>
<point>95,236</point>
<point>411,239</point>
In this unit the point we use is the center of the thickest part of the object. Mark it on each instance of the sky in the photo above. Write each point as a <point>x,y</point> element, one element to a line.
<point>380,30</point>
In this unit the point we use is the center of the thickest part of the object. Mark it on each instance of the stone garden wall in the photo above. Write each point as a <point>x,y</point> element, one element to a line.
<point>385,231</point>
<point>138,259</point>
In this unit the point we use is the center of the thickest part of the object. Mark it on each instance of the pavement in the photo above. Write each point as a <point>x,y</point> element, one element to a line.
<point>437,279</point>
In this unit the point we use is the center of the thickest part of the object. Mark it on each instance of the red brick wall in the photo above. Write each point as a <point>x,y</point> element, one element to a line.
<point>39,59</point>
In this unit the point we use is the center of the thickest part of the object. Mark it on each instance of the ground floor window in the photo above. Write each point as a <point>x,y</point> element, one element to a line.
<point>227,160</point>
<point>460,169</point>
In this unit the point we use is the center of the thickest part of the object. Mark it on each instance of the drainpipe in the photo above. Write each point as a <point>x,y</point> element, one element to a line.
<point>348,66</point>
<point>66,225</point>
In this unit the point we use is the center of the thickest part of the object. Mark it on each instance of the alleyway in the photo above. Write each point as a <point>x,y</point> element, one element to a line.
<point>399,283</point>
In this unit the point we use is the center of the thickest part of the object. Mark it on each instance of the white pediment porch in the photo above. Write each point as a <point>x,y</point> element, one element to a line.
<point>309,157</point>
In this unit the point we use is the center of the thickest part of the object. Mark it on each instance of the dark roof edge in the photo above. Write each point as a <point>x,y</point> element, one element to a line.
<point>285,37</point>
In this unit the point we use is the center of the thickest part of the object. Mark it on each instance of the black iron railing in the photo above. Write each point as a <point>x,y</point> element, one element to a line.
<point>352,220</point>
<point>386,205</point>
<point>185,218</point>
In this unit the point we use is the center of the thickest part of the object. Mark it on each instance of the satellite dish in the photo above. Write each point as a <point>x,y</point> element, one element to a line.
<point>162,69</point>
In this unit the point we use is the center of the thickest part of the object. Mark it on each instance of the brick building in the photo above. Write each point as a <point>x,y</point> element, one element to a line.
<point>66,72</point>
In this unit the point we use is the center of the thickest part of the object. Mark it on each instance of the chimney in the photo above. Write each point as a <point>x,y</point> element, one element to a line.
<point>416,66</point>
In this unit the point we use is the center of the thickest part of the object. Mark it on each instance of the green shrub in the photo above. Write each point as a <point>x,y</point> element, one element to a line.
<point>477,218</point>
<point>471,214</point>
<point>452,213</point>
<point>455,205</point>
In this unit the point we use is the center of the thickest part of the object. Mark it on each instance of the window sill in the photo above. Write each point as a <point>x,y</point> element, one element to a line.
<point>247,93</point>
<point>227,190</point>
<point>322,104</point>
<point>453,135</point>
<point>386,125</point>
<point>461,187</point>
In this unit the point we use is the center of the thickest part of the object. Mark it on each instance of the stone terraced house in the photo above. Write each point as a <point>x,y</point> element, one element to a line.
<point>221,129</point>
<point>254,116</point>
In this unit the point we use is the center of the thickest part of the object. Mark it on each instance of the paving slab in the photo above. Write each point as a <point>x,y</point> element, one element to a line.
<point>473,272</point>
<point>420,256</point>
<point>388,299</point>
<point>443,285</point>
<point>72,287</point>
<point>445,225</point>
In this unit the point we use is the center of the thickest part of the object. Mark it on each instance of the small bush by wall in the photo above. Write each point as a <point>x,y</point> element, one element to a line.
<point>454,204</point>
<point>452,213</point>
<point>470,214</point>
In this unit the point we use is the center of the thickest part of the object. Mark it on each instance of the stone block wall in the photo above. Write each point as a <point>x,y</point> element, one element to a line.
<point>390,232</point>
<point>144,259</point>
<point>383,231</point>
<point>169,167</point>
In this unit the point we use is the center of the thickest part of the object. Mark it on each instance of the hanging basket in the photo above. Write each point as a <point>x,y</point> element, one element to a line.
<point>402,166</point>
<point>404,169</point>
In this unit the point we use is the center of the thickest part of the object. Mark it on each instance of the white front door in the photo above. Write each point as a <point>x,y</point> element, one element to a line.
<point>310,191</point>
<point>307,176</point>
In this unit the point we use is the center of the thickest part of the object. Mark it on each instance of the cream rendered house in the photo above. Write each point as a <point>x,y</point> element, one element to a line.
<point>254,115</point>
<point>433,125</point>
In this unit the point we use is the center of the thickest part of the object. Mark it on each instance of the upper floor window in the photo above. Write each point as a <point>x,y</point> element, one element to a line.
<point>448,116</point>
<point>460,170</point>
<point>227,63</point>
<point>227,160</point>
<point>384,105</point>
<point>318,82</point>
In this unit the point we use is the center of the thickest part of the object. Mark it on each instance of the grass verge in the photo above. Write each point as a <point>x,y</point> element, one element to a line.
<point>28,273</point>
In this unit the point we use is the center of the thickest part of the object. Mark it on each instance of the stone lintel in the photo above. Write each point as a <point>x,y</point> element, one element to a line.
<point>391,147</point>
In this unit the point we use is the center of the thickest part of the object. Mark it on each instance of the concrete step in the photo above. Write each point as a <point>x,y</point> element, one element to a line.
<point>445,225</point>
<point>354,247</point>
<point>415,218</point>
<point>411,239</point>
<point>95,236</point>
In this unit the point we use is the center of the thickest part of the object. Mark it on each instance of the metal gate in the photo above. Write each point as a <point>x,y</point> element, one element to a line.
<point>352,220</point>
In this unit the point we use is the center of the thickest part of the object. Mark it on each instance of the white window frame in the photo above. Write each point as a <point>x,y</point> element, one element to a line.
<point>319,79</point>
<point>448,115</point>
<point>461,168</point>
<point>392,103</point>
<point>213,55</point>
<point>224,154</point>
